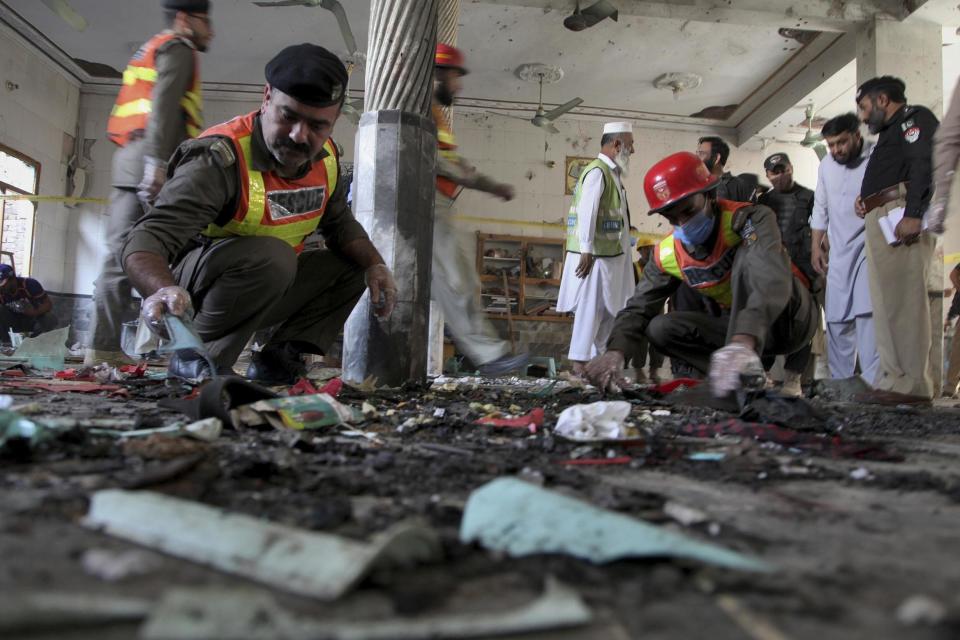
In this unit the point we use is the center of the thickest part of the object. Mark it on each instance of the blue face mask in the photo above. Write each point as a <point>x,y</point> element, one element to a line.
<point>696,230</point>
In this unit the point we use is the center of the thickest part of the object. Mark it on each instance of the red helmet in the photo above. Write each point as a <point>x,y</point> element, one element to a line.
<point>674,178</point>
<point>450,58</point>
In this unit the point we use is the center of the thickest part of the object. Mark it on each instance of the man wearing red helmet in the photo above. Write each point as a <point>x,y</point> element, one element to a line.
<point>729,251</point>
<point>455,281</point>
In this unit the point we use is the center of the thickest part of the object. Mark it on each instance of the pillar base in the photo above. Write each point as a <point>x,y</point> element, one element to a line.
<point>393,195</point>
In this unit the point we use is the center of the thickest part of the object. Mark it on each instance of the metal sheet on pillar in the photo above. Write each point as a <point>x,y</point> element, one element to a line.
<point>393,200</point>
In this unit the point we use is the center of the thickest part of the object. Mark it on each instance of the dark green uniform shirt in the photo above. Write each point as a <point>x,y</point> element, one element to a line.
<point>167,124</point>
<point>203,185</point>
<point>758,300</point>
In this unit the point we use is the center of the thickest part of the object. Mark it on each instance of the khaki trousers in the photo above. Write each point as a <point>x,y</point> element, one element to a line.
<point>901,307</point>
<point>113,295</point>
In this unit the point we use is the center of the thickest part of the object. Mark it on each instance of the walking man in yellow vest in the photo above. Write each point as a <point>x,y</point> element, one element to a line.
<point>598,270</point>
<point>159,106</point>
<point>455,282</point>
<point>232,218</point>
<point>728,251</point>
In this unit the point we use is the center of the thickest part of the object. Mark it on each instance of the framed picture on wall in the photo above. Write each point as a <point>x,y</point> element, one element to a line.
<point>574,165</point>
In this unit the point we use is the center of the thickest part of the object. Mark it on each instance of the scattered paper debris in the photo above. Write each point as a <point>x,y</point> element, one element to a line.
<point>521,519</point>
<point>921,609</point>
<point>198,614</point>
<point>596,422</point>
<point>301,562</point>
<point>683,514</point>
<point>113,566</point>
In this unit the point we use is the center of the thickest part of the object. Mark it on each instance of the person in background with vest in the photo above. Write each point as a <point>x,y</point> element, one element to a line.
<point>159,106</point>
<point>728,251</point>
<point>24,306</point>
<point>455,282</point>
<point>899,179</point>
<point>232,218</point>
<point>838,251</point>
<point>598,268</point>
<point>793,204</point>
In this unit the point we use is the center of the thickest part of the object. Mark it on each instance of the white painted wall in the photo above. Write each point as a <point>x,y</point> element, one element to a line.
<point>35,117</point>
<point>512,151</point>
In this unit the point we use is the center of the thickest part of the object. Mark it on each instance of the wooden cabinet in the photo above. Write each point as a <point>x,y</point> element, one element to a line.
<point>521,272</point>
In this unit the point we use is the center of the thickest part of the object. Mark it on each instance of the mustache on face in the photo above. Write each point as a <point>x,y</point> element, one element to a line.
<point>286,143</point>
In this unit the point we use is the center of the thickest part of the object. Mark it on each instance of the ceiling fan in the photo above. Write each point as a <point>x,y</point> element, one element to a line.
<point>811,139</point>
<point>351,108</point>
<point>543,118</point>
<point>334,7</point>
<point>67,13</point>
<point>584,18</point>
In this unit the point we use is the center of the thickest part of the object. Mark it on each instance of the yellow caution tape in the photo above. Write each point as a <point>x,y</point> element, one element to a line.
<point>642,238</point>
<point>15,197</point>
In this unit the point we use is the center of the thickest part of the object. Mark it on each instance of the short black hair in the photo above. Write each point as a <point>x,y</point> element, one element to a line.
<point>847,123</point>
<point>717,145</point>
<point>894,88</point>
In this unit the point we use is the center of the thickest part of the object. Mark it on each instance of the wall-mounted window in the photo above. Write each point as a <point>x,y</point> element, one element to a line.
<point>19,176</point>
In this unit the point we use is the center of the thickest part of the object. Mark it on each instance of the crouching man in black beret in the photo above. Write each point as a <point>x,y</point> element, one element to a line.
<point>224,239</point>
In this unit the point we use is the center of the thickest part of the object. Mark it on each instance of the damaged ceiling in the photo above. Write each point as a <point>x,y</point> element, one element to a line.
<point>740,49</point>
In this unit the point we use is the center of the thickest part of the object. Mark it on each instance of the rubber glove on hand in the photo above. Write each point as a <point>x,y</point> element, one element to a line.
<point>936,216</point>
<point>154,175</point>
<point>18,306</point>
<point>173,300</point>
<point>731,362</point>
<point>383,289</point>
<point>605,372</point>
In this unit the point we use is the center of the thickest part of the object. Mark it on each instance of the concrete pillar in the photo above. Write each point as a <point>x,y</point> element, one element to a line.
<point>448,28</point>
<point>393,199</point>
<point>913,52</point>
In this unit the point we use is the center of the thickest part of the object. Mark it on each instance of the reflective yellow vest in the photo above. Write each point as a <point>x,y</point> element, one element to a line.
<point>710,276</point>
<point>609,225</point>
<point>134,104</point>
<point>269,205</point>
<point>447,147</point>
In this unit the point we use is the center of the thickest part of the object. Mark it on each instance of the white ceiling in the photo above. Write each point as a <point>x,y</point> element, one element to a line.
<point>611,65</point>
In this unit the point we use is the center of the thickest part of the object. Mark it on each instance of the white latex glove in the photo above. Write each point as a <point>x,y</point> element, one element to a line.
<point>383,289</point>
<point>173,300</point>
<point>18,306</point>
<point>936,216</point>
<point>728,364</point>
<point>605,372</point>
<point>154,175</point>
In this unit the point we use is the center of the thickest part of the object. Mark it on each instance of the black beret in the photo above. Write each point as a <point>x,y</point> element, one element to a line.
<point>309,74</point>
<point>190,6</point>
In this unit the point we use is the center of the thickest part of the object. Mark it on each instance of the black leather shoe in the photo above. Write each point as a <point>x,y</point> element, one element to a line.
<point>187,364</point>
<point>276,364</point>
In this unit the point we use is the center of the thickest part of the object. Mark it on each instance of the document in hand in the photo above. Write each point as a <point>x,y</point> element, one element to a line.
<point>888,224</point>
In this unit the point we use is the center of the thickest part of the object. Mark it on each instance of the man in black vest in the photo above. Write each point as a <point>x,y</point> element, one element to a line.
<point>793,204</point>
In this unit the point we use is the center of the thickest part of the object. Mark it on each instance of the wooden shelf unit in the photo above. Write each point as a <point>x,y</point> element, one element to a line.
<point>519,283</point>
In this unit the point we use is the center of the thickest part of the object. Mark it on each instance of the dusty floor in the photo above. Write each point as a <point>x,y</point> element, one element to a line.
<point>856,522</point>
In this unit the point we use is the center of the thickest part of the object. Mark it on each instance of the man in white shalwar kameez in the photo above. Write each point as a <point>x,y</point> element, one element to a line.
<point>597,272</point>
<point>842,257</point>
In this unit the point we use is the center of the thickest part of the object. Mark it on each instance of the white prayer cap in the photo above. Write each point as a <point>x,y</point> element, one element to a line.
<point>617,127</point>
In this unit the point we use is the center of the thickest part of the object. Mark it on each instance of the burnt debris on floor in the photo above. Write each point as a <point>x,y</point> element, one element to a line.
<point>132,505</point>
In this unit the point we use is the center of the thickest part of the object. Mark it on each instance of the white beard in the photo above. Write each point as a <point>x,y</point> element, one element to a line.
<point>623,161</point>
